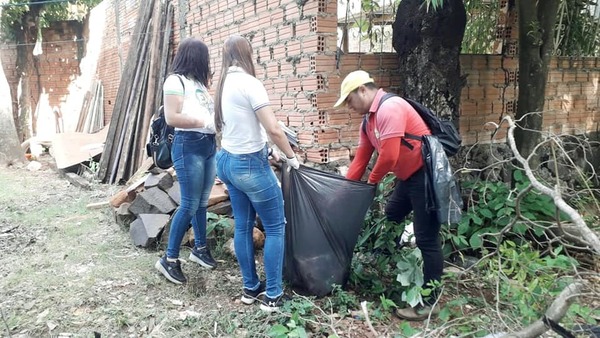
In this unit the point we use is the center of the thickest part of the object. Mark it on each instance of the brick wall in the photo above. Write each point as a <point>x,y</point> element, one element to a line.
<point>295,52</point>
<point>53,70</point>
<point>121,16</point>
<point>8,57</point>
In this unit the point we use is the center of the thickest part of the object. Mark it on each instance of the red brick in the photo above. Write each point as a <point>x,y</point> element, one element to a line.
<point>326,136</point>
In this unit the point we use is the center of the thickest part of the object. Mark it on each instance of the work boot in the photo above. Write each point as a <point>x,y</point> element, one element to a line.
<point>419,312</point>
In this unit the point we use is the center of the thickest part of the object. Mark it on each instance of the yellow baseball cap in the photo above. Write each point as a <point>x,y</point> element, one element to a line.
<point>350,83</point>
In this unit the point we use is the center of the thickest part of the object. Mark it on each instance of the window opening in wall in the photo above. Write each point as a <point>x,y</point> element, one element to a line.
<point>577,30</point>
<point>488,26</point>
<point>366,26</point>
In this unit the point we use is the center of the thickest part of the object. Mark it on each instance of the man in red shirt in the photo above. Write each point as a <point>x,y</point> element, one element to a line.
<point>386,127</point>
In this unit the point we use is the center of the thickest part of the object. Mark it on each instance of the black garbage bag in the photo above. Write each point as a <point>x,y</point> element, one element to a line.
<point>325,213</point>
<point>442,188</point>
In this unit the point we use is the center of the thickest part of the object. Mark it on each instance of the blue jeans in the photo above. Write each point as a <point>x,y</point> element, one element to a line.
<point>193,156</point>
<point>409,196</point>
<point>253,188</point>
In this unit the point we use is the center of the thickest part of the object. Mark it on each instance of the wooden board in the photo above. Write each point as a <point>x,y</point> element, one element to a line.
<point>73,148</point>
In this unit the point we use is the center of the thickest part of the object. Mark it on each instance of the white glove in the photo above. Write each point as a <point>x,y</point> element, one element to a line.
<point>292,162</point>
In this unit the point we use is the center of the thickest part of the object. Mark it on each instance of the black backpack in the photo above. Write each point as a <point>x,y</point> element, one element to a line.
<point>161,139</point>
<point>444,130</point>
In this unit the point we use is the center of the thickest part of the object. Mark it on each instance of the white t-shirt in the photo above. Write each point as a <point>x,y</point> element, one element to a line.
<point>196,101</point>
<point>242,96</point>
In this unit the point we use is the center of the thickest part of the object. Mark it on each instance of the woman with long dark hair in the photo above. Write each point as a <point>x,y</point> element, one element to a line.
<point>190,109</point>
<point>243,114</point>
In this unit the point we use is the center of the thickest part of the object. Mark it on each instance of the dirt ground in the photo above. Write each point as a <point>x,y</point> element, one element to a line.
<point>67,270</point>
<point>70,271</point>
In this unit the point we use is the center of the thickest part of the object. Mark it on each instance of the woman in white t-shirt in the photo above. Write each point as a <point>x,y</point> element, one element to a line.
<point>190,109</point>
<point>243,114</point>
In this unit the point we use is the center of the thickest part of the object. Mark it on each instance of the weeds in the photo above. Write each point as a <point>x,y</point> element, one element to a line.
<point>68,270</point>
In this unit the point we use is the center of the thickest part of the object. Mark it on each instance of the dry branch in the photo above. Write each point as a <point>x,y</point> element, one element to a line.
<point>580,230</point>
<point>555,312</point>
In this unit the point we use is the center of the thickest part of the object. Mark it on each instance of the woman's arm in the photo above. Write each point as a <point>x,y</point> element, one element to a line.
<point>276,134</point>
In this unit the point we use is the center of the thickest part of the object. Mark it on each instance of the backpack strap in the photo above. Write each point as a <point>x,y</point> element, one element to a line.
<point>180,80</point>
<point>402,140</point>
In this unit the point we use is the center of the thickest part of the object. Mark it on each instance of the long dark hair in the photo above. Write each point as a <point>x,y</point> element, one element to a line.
<point>192,61</point>
<point>237,51</point>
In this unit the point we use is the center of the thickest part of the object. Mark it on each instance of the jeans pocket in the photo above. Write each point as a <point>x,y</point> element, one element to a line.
<point>241,167</point>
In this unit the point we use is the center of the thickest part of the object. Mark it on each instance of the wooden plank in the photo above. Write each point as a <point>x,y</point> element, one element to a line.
<point>133,92</point>
<point>118,115</point>
<point>69,149</point>
<point>83,112</point>
<point>133,111</point>
<point>166,54</point>
<point>154,81</point>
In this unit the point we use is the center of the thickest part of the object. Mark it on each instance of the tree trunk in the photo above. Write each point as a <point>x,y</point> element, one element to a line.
<point>428,46</point>
<point>25,40</point>
<point>10,147</point>
<point>536,32</point>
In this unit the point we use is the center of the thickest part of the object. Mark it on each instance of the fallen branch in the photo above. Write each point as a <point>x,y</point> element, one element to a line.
<point>5,323</point>
<point>363,306</point>
<point>98,205</point>
<point>588,236</point>
<point>4,231</point>
<point>555,312</point>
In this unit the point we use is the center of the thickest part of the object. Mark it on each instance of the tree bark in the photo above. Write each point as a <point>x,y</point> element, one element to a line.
<point>428,46</point>
<point>25,40</point>
<point>536,32</point>
<point>10,147</point>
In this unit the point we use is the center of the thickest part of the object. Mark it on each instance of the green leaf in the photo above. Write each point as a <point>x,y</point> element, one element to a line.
<point>278,330</point>
<point>520,228</point>
<point>413,296</point>
<point>539,231</point>
<point>463,228</point>
<point>518,175</point>
<point>502,221</point>
<point>299,332</point>
<point>477,220</point>
<point>476,241</point>
<point>444,314</point>
<point>404,279</point>
<point>487,213</point>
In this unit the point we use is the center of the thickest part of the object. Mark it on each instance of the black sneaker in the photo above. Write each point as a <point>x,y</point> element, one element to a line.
<point>171,270</point>
<point>202,256</point>
<point>268,304</point>
<point>249,296</point>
